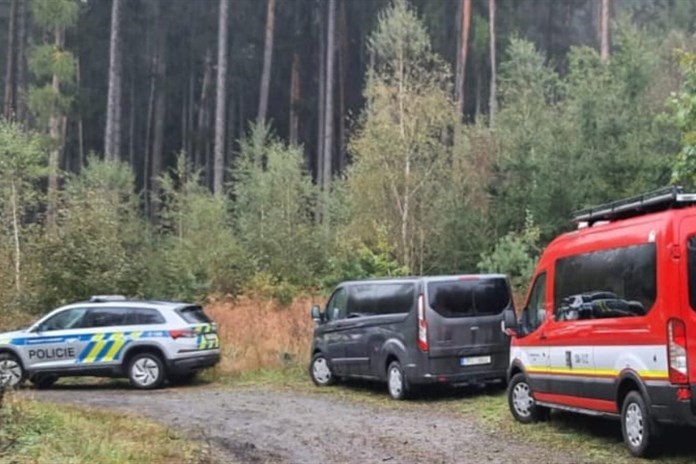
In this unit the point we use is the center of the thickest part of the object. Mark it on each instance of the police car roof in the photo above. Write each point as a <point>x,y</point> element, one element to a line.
<point>118,302</point>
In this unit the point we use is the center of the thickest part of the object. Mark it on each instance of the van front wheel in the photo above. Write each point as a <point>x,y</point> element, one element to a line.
<point>320,371</point>
<point>521,401</point>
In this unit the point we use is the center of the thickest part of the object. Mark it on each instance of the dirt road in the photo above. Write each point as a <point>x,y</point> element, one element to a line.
<point>264,425</point>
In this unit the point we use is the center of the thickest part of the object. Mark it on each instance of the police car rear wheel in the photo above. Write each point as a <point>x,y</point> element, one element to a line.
<point>11,371</point>
<point>146,371</point>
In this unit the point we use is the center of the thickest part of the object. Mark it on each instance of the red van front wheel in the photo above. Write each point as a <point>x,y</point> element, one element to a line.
<point>521,401</point>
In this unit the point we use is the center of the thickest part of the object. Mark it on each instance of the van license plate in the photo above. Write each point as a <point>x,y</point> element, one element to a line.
<point>474,360</point>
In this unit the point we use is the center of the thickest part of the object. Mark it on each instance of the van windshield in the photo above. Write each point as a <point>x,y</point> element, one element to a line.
<point>469,297</point>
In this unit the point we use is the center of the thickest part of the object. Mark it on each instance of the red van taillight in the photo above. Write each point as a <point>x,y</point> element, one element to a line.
<point>422,325</point>
<point>676,350</point>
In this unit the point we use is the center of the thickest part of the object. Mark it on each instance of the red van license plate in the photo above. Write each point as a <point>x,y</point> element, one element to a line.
<point>474,360</point>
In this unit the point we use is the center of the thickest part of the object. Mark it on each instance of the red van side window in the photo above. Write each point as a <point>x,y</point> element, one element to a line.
<point>618,282</point>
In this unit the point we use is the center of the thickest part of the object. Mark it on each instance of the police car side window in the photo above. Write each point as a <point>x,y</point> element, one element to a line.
<point>64,320</point>
<point>104,317</point>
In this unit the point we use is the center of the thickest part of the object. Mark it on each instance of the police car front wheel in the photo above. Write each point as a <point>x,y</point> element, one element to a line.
<point>11,371</point>
<point>146,371</point>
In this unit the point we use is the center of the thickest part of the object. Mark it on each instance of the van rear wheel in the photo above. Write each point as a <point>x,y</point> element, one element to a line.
<point>397,384</point>
<point>521,401</point>
<point>639,431</point>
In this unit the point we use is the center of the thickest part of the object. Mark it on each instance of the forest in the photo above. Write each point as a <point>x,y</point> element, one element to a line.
<point>180,149</point>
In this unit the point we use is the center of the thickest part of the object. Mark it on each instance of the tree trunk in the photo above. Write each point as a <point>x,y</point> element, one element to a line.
<point>54,133</point>
<point>11,61</point>
<point>202,129</point>
<point>15,230</point>
<point>604,30</point>
<point>461,55</point>
<point>493,101</point>
<point>159,112</point>
<point>321,100</point>
<point>131,124</point>
<point>267,54</point>
<point>112,133</point>
<point>80,128</point>
<point>21,92</point>
<point>329,111</point>
<point>342,69</point>
<point>221,100</point>
<point>294,123</point>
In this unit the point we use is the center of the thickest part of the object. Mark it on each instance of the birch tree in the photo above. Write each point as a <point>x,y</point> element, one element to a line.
<point>465,21</point>
<point>400,157</point>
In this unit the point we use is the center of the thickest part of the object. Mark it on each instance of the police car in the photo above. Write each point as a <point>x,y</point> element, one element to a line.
<point>147,341</point>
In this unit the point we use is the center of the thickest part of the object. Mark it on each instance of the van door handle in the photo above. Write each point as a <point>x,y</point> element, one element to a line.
<point>542,336</point>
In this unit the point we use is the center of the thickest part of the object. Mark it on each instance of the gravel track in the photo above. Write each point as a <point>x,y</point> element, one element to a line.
<point>266,425</point>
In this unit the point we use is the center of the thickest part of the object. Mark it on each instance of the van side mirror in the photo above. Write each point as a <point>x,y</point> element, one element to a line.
<point>509,323</point>
<point>317,316</point>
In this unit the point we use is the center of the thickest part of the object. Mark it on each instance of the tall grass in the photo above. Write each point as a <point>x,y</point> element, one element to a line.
<point>259,334</point>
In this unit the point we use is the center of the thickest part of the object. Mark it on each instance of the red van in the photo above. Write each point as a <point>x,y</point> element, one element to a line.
<point>609,323</point>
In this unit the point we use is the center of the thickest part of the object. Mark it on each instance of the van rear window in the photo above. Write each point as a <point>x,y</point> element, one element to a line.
<point>468,298</point>
<point>194,315</point>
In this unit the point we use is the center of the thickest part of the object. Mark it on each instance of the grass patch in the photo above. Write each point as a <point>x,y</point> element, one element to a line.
<point>590,439</point>
<point>35,432</point>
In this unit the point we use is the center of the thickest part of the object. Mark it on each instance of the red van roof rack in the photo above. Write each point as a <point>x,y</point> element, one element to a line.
<point>658,200</point>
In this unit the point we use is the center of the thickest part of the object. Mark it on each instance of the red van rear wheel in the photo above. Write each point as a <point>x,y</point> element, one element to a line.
<point>639,431</point>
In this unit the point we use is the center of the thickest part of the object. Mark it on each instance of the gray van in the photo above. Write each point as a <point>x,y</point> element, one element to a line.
<point>415,331</point>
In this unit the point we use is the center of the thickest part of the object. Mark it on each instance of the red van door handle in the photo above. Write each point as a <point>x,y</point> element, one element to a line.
<point>542,336</point>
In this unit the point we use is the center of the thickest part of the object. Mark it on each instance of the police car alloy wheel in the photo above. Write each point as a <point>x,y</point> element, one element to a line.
<point>320,371</point>
<point>146,371</point>
<point>11,371</point>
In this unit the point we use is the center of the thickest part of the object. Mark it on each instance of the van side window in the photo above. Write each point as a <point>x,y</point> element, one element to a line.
<point>373,299</point>
<point>691,264</point>
<point>337,305</point>
<point>619,282</point>
<point>535,311</point>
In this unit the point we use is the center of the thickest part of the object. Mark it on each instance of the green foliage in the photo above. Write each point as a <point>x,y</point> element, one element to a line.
<point>360,261</point>
<point>46,60</point>
<point>195,252</point>
<point>683,106</point>
<point>50,14</point>
<point>401,150</point>
<point>274,200</point>
<point>98,246</point>
<point>515,254</point>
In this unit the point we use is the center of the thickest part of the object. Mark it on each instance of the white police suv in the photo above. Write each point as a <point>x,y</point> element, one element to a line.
<point>147,341</point>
